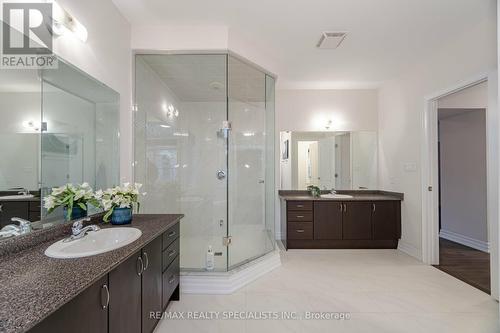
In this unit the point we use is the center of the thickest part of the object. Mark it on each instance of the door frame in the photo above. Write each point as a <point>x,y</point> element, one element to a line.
<point>430,167</point>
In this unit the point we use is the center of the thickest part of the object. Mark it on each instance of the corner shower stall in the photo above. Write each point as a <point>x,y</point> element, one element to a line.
<point>204,147</point>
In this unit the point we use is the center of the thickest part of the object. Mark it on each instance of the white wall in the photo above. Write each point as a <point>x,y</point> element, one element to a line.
<point>179,38</point>
<point>401,105</point>
<point>309,110</point>
<point>106,56</point>
<point>462,139</point>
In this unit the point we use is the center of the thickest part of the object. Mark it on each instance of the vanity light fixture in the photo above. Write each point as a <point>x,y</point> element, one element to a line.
<point>64,22</point>
<point>328,124</point>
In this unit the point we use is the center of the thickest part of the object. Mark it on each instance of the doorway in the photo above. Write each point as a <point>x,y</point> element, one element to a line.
<point>457,163</point>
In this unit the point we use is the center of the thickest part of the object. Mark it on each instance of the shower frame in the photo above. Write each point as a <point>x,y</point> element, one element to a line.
<point>228,54</point>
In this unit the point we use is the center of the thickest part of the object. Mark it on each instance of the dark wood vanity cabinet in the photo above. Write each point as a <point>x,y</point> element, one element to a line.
<point>86,313</point>
<point>327,220</point>
<point>341,224</point>
<point>28,210</point>
<point>356,220</point>
<point>123,300</point>
<point>151,284</point>
<point>125,296</point>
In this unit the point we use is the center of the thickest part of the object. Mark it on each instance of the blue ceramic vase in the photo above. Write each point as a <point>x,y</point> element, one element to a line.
<point>121,216</point>
<point>76,213</point>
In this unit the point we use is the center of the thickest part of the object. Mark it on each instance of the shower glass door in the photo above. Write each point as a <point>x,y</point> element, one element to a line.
<point>181,149</point>
<point>251,167</point>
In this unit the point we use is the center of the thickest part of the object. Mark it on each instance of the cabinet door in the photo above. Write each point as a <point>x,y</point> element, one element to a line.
<point>356,222</point>
<point>125,296</point>
<point>86,313</point>
<point>385,220</point>
<point>327,220</point>
<point>151,284</point>
<point>10,209</point>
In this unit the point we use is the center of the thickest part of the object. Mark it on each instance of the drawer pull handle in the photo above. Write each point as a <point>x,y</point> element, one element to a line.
<point>171,253</point>
<point>300,231</point>
<point>171,280</point>
<point>300,206</point>
<point>171,234</point>
<point>146,260</point>
<point>300,216</point>
<point>374,207</point>
<point>140,266</point>
<point>106,303</point>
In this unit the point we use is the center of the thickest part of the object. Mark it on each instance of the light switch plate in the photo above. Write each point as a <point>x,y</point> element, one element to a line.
<point>410,167</point>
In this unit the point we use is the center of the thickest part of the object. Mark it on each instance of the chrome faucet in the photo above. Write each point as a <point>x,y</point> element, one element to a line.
<point>23,228</point>
<point>78,231</point>
<point>24,225</point>
<point>333,191</point>
<point>21,190</point>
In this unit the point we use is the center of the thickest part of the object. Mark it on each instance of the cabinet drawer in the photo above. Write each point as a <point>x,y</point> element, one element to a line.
<point>170,235</point>
<point>300,230</point>
<point>299,205</point>
<point>300,216</point>
<point>170,281</point>
<point>169,254</point>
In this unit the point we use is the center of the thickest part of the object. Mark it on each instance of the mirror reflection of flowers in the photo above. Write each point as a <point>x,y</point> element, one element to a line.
<point>126,196</point>
<point>74,199</point>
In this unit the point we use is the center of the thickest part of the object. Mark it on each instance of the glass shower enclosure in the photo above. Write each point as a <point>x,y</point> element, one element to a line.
<point>204,147</point>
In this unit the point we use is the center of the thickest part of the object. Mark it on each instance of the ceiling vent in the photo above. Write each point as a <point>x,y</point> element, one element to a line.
<point>331,40</point>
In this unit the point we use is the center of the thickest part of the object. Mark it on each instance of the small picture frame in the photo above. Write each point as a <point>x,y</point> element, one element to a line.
<point>284,150</point>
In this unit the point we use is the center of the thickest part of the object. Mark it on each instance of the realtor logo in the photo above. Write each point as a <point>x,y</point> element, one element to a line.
<point>27,36</point>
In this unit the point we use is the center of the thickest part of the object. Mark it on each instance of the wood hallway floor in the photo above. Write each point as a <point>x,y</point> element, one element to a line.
<point>467,264</point>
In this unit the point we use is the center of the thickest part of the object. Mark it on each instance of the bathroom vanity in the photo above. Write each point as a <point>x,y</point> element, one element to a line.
<point>353,220</point>
<point>113,292</point>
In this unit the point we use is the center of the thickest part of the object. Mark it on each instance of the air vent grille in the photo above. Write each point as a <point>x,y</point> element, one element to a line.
<point>331,40</point>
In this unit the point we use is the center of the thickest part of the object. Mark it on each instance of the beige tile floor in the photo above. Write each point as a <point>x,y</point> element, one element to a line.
<point>383,290</point>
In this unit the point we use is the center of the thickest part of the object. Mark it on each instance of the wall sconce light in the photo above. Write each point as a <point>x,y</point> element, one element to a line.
<point>35,126</point>
<point>64,22</point>
<point>328,124</point>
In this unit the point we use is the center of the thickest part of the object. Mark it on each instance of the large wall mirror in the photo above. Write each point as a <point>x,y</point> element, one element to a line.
<point>58,126</point>
<point>330,160</point>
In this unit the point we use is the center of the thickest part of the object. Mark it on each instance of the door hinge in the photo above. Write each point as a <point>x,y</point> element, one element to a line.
<point>226,241</point>
<point>226,127</point>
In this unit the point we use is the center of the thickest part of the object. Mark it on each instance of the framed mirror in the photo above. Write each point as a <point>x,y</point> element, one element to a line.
<point>58,126</point>
<point>330,160</point>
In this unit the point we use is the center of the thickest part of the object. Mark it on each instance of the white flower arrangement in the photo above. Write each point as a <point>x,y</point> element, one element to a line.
<point>119,197</point>
<point>70,196</point>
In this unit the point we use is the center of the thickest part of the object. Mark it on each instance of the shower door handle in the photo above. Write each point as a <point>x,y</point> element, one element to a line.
<point>221,174</point>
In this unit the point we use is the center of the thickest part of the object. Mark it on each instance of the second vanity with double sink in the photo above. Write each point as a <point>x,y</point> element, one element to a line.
<point>343,220</point>
<point>113,279</point>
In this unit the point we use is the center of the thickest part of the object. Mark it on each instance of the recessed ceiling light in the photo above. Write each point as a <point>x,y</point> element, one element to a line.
<point>331,40</point>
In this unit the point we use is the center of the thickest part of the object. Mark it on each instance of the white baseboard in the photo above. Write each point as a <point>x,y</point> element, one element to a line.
<point>409,249</point>
<point>214,283</point>
<point>465,240</point>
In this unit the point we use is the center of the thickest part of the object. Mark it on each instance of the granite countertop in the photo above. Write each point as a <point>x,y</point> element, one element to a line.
<point>361,195</point>
<point>33,285</point>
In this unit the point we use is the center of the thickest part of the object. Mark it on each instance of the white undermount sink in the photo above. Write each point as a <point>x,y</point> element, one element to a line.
<point>95,242</point>
<point>336,196</point>
<point>17,197</point>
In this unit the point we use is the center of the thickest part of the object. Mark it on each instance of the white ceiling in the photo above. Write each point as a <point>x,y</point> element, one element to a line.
<point>385,36</point>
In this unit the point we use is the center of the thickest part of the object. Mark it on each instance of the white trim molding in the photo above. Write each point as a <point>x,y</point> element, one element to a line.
<point>220,283</point>
<point>465,240</point>
<point>409,249</point>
